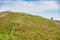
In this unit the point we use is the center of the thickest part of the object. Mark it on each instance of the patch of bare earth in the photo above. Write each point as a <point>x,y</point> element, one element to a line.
<point>57,24</point>
<point>3,14</point>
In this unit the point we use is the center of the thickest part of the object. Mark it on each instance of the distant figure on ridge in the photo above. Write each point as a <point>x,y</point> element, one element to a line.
<point>9,10</point>
<point>51,18</point>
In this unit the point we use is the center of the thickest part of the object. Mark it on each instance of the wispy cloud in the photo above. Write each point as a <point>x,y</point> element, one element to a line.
<point>36,7</point>
<point>40,6</point>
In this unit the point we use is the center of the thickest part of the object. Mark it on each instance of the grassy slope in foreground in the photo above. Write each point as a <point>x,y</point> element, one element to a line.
<point>22,26</point>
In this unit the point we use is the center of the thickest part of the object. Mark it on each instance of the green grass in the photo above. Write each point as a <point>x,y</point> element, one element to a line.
<point>23,26</point>
<point>58,21</point>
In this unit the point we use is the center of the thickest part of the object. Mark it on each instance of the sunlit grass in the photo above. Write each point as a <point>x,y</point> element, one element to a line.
<point>22,26</point>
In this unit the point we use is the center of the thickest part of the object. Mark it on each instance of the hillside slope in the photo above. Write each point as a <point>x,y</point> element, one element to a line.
<point>22,26</point>
<point>57,23</point>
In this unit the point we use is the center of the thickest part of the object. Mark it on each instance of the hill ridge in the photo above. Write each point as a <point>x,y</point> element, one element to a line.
<point>23,26</point>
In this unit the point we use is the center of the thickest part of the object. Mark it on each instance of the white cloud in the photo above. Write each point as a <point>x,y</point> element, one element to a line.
<point>4,8</point>
<point>32,6</point>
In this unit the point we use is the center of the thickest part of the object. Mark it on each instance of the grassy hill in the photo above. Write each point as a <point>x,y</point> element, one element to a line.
<point>23,26</point>
<point>58,21</point>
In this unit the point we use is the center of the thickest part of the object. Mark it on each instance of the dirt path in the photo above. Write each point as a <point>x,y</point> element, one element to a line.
<point>3,14</point>
<point>57,24</point>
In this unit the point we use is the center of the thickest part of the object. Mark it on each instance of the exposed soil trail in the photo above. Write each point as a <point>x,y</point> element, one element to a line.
<point>57,24</point>
<point>3,14</point>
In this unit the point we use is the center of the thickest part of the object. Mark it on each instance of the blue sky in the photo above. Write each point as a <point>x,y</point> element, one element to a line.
<point>44,8</point>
